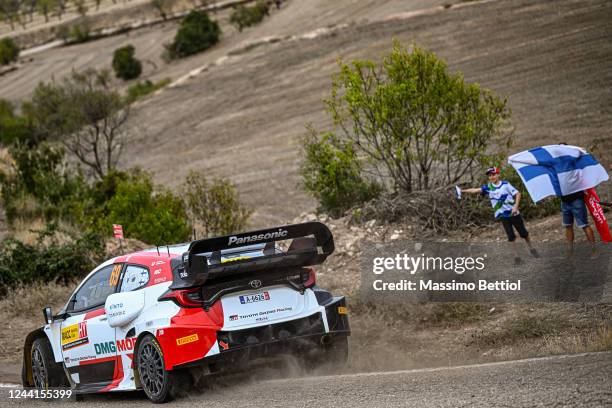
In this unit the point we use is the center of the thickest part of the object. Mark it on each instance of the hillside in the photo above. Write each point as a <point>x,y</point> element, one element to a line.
<point>239,110</point>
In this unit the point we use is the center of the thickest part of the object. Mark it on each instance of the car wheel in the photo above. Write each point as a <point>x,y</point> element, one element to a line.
<point>159,384</point>
<point>45,371</point>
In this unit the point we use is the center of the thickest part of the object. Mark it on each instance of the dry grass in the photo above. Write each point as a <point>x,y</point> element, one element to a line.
<point>26,301</point>
<point>21,312</point>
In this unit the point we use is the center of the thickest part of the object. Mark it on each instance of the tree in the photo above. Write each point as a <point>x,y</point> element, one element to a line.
<point>81,7</point>
<point>11,11</point>
<point>9,51</point>
<point>45,7</point>
<point>163,7</point>
<point>215,205</point>
<point>413,122</point>
<point>243,16</point>
<point>86,113</point>
<point>196,33</point>
<point>125,65</point>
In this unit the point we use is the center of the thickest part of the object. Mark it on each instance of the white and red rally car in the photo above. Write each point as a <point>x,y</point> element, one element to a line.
<point>145,320</point>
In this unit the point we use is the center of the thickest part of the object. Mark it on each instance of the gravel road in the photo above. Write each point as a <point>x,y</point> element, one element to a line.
<point>581,380</point>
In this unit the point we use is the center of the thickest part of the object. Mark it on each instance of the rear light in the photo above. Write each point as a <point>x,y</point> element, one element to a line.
<point>184,297</point>
<point>309,277</point>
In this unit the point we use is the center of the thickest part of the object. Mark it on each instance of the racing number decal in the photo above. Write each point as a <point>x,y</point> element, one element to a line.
<point>114,278</point>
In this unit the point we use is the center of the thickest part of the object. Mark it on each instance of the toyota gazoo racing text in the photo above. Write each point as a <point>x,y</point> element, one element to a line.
<point>149,319</point>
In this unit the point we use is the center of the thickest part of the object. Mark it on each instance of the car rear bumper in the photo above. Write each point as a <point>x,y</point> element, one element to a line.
<point>295,336</point>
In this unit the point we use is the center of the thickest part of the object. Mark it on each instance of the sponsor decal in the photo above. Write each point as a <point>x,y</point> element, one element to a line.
<point>157,271</point>
<point>115,310</point>
<point>157,263</point>
<point>160,280</point>
<point>110,347</point>
<point>187,339</point>
<point>237,258</point>
<point>261,316</point>
<point>258,297</point>
<point>76,359</point>
<point>255,238</point>
<point>74,335</point>
<point>224,346</point>
<point>114,277</point>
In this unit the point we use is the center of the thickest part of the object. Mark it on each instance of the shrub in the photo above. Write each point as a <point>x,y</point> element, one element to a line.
<point>332,173</point>
<point>9,51</point>
<point>13,128</point>
<point>215,205</point>
<point>79,33</point>
<point>48,261</point>
<point>125,65</point>
<point>41,179</point>
<point>142,89</point>
<point>196,33</point>
<point>242,16</point>
<point>150,216</point>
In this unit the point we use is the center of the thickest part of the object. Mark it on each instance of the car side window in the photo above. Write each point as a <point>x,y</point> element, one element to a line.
<point>97,288</point>
<point>134,277</point>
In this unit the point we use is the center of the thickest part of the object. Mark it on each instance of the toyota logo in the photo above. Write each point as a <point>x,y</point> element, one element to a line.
<point>255,284</point>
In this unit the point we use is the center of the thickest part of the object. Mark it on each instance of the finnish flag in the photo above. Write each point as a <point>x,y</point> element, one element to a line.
<point>557,170</point>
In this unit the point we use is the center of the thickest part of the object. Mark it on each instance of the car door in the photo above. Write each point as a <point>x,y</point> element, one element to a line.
<point>134,280</point>
<point>87,340</point>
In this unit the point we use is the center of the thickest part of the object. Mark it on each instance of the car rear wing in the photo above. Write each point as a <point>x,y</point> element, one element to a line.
<point>312,243</point>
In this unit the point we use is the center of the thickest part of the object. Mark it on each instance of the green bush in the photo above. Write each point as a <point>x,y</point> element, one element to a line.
<point>125,65</point>
<point>22,263</point>
<point>214,205</point>
<point>141,89</point>
<point>13,128</point>
<point>151,216</point>
<point>332,173</point>
<point>196,33</point>
<point>9,51</point>
<point>41,186</point>
<point>242,16</point>
<point>79,33</point>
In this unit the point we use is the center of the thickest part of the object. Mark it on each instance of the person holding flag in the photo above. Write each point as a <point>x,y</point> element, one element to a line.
<point>505,200</point>
<point>571,173</point>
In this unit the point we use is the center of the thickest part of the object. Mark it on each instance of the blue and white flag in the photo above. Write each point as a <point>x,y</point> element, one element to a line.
<point>557,170</point>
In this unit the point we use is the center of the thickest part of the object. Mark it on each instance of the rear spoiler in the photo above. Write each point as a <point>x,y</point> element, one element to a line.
<point>204,256</point>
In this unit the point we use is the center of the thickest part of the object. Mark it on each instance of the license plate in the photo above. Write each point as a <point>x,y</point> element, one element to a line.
<point>258,297</point>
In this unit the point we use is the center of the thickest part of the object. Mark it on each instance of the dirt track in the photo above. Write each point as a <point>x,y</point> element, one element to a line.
<point>243,117</point>
<point>582,380</point>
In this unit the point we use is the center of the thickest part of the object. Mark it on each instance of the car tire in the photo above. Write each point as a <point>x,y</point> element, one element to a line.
<point>46,373</point>
<point>159,384</point>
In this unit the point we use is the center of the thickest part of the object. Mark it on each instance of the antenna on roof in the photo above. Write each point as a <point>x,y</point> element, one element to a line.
<point>157,246</point>
<point>168,248</point>
<point>194,234</point>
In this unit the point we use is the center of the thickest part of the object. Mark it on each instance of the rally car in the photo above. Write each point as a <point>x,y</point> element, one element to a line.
<point>147,320</point>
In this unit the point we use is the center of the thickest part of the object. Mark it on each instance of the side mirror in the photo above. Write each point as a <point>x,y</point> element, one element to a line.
<point>121,308</point>
<point>48,315</point>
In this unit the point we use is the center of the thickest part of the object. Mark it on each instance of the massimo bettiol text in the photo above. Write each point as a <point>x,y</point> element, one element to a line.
<point>482,272</point>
